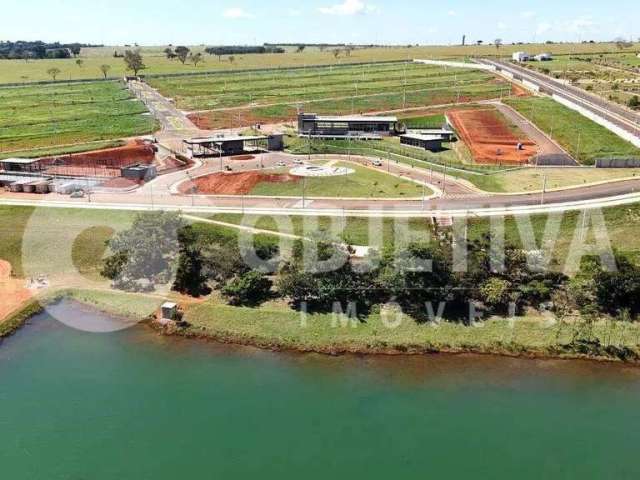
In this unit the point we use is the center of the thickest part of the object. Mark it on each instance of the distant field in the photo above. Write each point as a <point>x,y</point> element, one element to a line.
<point>19,71</point>
<point>611,76</point>
<point>47,117</point>
<point>242,99</point>
<point>584,139</point>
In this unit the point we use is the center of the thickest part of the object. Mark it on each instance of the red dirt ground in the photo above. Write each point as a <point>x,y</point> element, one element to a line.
<point>519,91</point>
<point>102,161</point>
<point>232,183</point>
<point>12,291</point>
<point>488,136</point>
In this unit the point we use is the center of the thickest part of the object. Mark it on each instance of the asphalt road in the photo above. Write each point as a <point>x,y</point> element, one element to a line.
<point>457,196</point>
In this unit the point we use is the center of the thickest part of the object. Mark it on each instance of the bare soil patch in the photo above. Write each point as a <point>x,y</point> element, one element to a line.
<point>490,138</point>
<point>13,293</point>
<point>232,183</point>
<point>106,162</point>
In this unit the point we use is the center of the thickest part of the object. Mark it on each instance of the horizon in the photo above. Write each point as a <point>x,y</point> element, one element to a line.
<point>360,22</point>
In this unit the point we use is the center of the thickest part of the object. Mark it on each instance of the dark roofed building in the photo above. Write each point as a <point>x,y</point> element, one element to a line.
<point>311,124</point>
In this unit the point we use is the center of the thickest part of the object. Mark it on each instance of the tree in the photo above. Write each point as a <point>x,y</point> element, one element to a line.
<point>348,49</point>
<point>190,278</point>
<point>53,73</point>
<point>622,43</point>
<point>169,53</point>
<point>80,62</point>
<point>496,294</point>
<point>182,53</point>
<point>105,70</point>
<point>498,44</point>
<point>145,255</point>
<point>250,289</point>
<point>134,61</point>
<point>232,58</point>
<point>300,48</point>
<point>336,53</point>
<point>75,49</point>
<point>634,102</point>
<point>196,58</point>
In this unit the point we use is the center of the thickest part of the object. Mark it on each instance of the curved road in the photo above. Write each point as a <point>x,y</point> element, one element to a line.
<point>452,198</point>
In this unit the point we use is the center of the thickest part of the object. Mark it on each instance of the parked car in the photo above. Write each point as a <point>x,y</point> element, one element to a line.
<point>377,163</point>
<point>77,194</point>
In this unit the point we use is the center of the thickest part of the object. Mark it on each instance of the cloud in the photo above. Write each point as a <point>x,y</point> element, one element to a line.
<point>502,26</point>
<point>452,13</point>
<point>292,12</point>
<point>580,25</point>
<point>543,28</point>
<point>528,14</point>
<point>236,12</point>
<point>349,7</point>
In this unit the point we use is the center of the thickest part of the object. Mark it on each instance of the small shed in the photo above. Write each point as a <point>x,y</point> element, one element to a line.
<point>169,311</point>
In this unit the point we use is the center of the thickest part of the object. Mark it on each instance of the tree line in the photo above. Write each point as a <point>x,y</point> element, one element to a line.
<point>322,272</point>
<point>39,50</point>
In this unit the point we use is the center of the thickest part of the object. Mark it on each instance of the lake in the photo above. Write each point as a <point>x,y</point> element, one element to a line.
<point>134,405</point>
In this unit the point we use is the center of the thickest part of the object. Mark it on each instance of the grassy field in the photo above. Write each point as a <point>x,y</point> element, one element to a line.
<point>48,117</point>
<point>353,230</point>
<point>363,183</point>
<point>425,121</point>
<point>242,99</point>
<point>584,139</point>
<point>277,326</point>
<point>19,71</point>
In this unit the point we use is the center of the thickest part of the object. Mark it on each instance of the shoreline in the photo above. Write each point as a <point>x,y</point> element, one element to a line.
<point>515,351</point>
<point>380,347</point>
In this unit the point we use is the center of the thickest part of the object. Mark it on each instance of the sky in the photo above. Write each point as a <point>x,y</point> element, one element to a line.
<point>244,22</point>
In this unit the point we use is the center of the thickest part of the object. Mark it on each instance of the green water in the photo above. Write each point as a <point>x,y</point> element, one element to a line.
<point>132,405</point>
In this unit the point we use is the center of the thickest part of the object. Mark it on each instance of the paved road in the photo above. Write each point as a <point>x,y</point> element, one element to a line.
<point>615,114</point>
<point>158,194</point>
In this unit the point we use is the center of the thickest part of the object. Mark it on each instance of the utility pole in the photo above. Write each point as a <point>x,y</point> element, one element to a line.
<point>544,188</point>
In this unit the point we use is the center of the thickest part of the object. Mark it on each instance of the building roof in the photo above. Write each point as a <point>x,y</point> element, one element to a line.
<point>351,118</point>
<point>426,138</point>
<point>231,138</point>
<point>20,161</point>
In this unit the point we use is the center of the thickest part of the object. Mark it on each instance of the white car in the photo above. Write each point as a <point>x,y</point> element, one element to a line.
<point>377,163</point>
<point>77,194</point>
<point>297,161</point>
<point>281,164</point>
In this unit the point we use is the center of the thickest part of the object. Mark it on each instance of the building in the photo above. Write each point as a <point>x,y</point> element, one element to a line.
<point>521,57</point>
<point>22,165</point>
<point>232,145</point>
<point>432,143</point>
<point>543,57</point>
<point>446,134</point>
<point>364,127</point>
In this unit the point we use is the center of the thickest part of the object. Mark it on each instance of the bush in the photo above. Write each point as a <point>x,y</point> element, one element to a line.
<point>250,289</point>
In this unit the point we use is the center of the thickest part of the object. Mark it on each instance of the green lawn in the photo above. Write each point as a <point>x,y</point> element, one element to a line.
<point>426,121</point>
<point>363,183</point>
<point>43,118</point>
<point>277,326</point>
<point>583,138</point>
<point>353,230</point>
